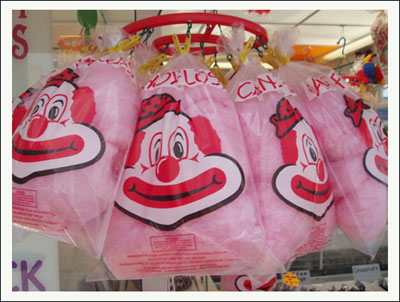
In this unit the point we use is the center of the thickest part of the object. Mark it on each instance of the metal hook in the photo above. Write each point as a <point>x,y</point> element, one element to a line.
<point>264,45</point>
<point>202,48</point>
<point>189,24</point>
<point>166,47</point>
<point>344,43</point>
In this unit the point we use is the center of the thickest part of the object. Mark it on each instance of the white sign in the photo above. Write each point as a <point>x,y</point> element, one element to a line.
<point>303,276</point>
<point>34,263</point>
<point>367,272</point>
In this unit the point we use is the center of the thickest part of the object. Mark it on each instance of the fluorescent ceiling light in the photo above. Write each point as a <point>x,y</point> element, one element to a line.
<point>349,48</point>
<point>227,65</point>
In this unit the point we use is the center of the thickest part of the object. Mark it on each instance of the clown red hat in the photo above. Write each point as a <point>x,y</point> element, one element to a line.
<point>355,109</point>
<point>286,118</point>
<point>154,108</point>
<point>67,75</point>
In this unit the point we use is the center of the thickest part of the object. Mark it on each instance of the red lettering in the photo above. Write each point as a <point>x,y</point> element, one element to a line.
<point>186,78</point>
<point>268,81</point>
<point>152,82</point>
<point>166,80</point>
<point>22,15</point>
<point>318,85</point>
<point>20,40</point>
<point>337,80</point>
<point>240,88</point>
<point>175,78</point>
<point>197,76</point>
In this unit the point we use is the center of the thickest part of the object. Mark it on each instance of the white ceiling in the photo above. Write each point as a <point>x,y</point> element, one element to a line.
<point>317,27</point>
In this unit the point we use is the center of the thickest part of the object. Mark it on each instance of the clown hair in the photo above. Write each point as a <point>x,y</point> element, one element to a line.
<point>83,108</point>
<point>205,136</point>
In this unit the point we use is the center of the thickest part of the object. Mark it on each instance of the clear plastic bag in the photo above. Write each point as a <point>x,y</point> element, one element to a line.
<point>69,150</point>
<point>186,204</point>
<point>353,141</point>
<point>244,283</point>
<point>291,178</point>
<point>379,33</point>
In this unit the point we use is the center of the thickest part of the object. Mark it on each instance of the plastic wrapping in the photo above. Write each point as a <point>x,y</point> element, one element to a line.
<point>244,283</point>
<point>69,151</point>
<point>187,203</point>
<point>379,33</point>
<point>354,143</point>
<point>143,53</point>
<point>290,174</point>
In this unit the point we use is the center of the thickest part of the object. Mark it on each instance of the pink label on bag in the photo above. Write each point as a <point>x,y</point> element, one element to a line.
<point>187,77</point>
<point>265,83</point>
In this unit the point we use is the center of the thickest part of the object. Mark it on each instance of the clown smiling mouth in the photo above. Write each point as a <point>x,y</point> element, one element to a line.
<point>381,164</point>
<point>28,151</point>
<point>311,191</point>
<point>180,194</point>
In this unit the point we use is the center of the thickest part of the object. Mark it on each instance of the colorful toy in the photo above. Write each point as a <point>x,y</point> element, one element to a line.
<point>370,73</point>
<point>68,151</point>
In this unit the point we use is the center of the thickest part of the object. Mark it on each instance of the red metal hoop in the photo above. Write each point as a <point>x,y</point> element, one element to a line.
<point>196,18</point>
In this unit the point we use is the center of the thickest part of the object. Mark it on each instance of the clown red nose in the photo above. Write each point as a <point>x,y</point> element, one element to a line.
<point>37,127</point>
<point>167,169</point>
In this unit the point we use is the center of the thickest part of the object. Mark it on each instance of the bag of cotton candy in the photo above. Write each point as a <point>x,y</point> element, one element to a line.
<point>186,203</point>
<point>289,168</point>
<point>354,142</point>
<point>69,148</point>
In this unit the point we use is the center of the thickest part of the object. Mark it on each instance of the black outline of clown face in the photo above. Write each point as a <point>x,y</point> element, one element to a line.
<point>376,157</point>
<point>173,181</point>
<point>48,141</point>
<point>265,287</point>
<point>365,119</point>
<point>305,184</point>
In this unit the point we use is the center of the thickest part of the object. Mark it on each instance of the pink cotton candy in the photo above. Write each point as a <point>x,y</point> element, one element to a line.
<point>84,117</point>
<point>187,202</point>
<point>354,142</point>
<point>277,139</point>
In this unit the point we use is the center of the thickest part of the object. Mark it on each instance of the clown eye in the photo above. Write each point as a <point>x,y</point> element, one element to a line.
<point>179,144</point>
<point>53,113</point>
<point>55,108</point>
<point>312,153</point>
<point>310,150</point>
<point>35,109</point>
<point>155,149</point>
<point>178,150</point>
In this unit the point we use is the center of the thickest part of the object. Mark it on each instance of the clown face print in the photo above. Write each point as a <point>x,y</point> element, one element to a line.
<point>371,128</point>
<point>175,170</point>
<point>303,181</point>
<point>56,134</point>
<point>243,283</point>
